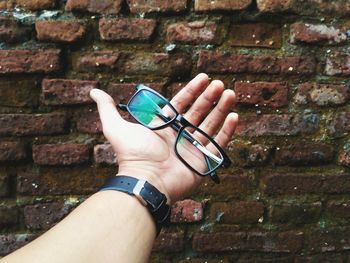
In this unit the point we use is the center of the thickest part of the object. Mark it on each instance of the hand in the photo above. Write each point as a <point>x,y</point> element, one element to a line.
<point>150,155</point>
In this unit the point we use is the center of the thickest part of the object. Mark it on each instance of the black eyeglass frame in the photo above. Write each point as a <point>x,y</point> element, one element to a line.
<point>173,122</point>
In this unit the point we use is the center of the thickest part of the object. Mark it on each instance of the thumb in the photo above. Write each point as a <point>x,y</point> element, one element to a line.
<point>109,115</point>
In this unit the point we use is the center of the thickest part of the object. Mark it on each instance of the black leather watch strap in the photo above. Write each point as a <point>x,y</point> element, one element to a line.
<point>148,195</point>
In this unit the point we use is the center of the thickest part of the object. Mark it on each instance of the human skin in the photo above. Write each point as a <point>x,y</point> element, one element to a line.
<point>111,226</point>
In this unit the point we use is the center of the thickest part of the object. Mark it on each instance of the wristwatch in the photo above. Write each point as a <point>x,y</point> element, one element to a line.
<point>147,194</point>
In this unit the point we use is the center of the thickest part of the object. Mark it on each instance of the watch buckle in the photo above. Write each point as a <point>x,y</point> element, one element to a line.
<point>137,191</point>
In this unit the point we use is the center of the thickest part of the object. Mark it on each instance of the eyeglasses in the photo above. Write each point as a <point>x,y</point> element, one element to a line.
<point>196,149</point>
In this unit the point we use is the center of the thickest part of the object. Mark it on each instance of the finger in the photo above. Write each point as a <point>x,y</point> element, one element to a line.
<point>204,102</point>
<point>216,117</point>
<point>110,117</point>
<point>226,132</point>
<point>190,92</point>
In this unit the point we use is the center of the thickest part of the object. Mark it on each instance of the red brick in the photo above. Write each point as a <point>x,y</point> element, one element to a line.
<point>60,154</point>
<point>270,94</point>
<point>344,158</point>
<point>338,64</point>
<point>60,31</point>
<point>159,64</point>
<point>8,215</point>
<point>127,29</point>
<point>339,124</point>
<point>338,209</point>
<point>169,242</point>
<point>276,184</point>
<point>206,5</point>
<point>12,32</point>
<point>11,242</point>
<point>95,6</point>
<point>277,125</point>
<point>250,241</point>
<point>256,35</point>
<point>66,91</point>
<point>26,93</point>
<point>296,214</point>
<point>61,180</point>
<point>217,62</point>
<point>32,5</point>
<point>4,185</point>
<point>331,239</point>
<point>186,211</point>
<point>321,94</point>
<point>89,122</point>
<point>323,257</point>
<point>304,154</point>
<point>231,186</point>
<point>29,61</point>
<point>32,124</point>
<point>97,61</point>
<point>104,154</point>
<point>45,215</point>
<point>12,151</point>
<point>196,32</point>
<point>146,6</point>
<point>317,34</point>
<point>238,212</point>
<point>249,155</point>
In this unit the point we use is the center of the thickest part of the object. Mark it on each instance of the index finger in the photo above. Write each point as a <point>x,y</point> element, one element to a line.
<point>190,92</point>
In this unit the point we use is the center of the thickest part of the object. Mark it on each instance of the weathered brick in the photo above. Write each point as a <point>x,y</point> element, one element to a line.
<point>12,151</point>
<point>248,241</point>
<point>196,32</point>
<point>338,209</point>
<point>266,259</point>
<point>19,92</point>
<point>97,61</point>
<point>332,239</point>
<point>8,215</point>
<point>11,242</point>
<point>249,155</point>
<point>12,32</point>
<point>65,91</point>
<point>304,154</point>
<point>95,6</point>
<point>256,35</point>
<point>29,61</point>
<point>147,6</point>
<point>60,31</point>
<point>276,184</point>
<point>159,64</point>
<point>296,214</point>
<point>217,62</point>
<point>238,212</point>
<point>32,5</point>
<point>32,124</point>
<point>4,185</point>
<point>139,29</point>
<point>186,211</point>
<point>316,34</point>
<point>321,94</point>
<point>344,157</point>
<point>104,154</point>
<point>61,180</point>
<point>270,94</point>
<point>169,242</point>
<point>339,124</point>
<point>89,122</point>
<point>323,257</point>
<point>60,154</point>
<point>206,5</point>
<point>338,64</point>
<point>45,215</point>
<point>231,186</point>
<point>277,125</point>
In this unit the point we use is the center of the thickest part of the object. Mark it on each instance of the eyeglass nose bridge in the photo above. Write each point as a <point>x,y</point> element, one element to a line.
<point>181,119</point>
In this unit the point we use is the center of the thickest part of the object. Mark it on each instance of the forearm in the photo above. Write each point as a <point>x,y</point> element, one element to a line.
<point>122,222</point>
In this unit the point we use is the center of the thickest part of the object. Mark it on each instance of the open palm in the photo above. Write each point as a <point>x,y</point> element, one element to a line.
<point>150,155</point>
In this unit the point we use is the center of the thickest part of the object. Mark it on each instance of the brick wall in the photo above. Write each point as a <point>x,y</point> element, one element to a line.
<point>286,199</point>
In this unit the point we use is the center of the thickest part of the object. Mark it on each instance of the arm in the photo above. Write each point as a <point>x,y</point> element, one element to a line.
<point>112,226</point>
